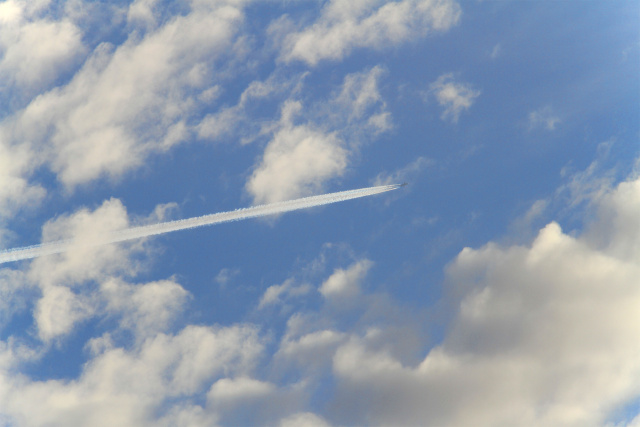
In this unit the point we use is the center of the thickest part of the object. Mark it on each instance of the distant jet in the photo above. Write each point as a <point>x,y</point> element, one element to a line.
<point>403,184</point>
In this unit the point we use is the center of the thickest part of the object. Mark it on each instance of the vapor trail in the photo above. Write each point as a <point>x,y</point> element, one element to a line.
<point>27,252</point>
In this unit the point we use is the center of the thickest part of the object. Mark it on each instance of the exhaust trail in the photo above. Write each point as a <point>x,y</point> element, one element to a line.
<point>60,246</point>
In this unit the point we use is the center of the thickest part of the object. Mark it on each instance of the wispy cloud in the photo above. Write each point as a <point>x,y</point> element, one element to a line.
<point>344,26</point>
<point>454,96</point>
<point>406,173</point>
<point>543,118</point>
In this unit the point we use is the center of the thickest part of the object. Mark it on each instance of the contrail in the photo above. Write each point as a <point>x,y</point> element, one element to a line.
<point>59,246</point>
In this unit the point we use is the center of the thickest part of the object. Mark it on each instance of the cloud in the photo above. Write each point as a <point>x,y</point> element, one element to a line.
<point>138,381</point>
<point>297,161</point>
<point>304,419</point>
<point>543,118</point>
<point>59,310</point>
<point>146,309</point>
<point>454,96</point>
<point>541,334</point>
<point>360,100</point>
<point>312,145</point>
<point>84,262</point>
<point>276,293</point>
<point>15,190</point>
<point>240,120</point>
<point>35,50</point>
<point>404,174</point>
<point>345,283</point>
<point>127,101</point>
<point>346,25</point>
<point>496,51</point>
<point>545,334</point>
<point>67,281</point>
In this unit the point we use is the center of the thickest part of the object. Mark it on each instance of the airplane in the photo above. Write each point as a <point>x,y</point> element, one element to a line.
<point>403,184</point>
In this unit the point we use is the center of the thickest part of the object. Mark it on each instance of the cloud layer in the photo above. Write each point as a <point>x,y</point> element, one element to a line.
<point>545,332</point>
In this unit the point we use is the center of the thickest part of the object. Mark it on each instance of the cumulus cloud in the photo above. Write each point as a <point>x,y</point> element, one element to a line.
<point>541,334</point>
<point>67,280</point>
<point>455,97</point>
<point>297,161</point>
<point>345,283</point>
<point>146,309</point>
<point>84,261</point>
<point>15,190</point>
<point>312,145</point>
<point>277,293</point>
<point>545,334</point>
<point>127,101</point>
<point>346,25</point>
<point>137,381</point>
<point>59,310</point>
<point>35,50</point>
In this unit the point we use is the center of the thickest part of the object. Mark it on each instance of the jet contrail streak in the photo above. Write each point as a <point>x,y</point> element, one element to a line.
<point>28,252</point>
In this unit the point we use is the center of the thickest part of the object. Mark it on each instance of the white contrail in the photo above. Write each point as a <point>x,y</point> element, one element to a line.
<point>182,224</point>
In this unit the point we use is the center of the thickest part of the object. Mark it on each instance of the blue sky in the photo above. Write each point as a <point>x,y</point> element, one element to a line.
<point>500,287</point>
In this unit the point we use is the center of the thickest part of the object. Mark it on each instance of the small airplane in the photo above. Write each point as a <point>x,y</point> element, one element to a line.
<point>403,184</point>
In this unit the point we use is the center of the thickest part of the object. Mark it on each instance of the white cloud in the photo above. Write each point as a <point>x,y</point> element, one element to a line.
<point>15,293</point>
<point>137,382</point>
<point>34,50</point>
<point>129,101</point>
<point>297,161</point>
<point>546,334</point>
<point>239,118</point>
<point>543,118</point>
<point>142,12</point>
<point>543,334</point>
<point>227,393</point>
<point>59,310</point>
<point>311,351</point>
<point>360,98</point>
<point>312,145</point>
<point>277,293</point>
<point>346,25</point>
<point>304,419</point>
<point>15,190</point>
<point>83,261</point>
<point>145,309</point>
<point>454,96</point>
<point>65,279</point>
<point>346,283</point>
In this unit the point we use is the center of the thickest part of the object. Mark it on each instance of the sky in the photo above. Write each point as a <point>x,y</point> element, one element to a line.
<point>500,287</point>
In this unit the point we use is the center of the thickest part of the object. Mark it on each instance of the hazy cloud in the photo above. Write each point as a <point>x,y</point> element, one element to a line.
<point>543,118</point>
<point>404,174</point>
